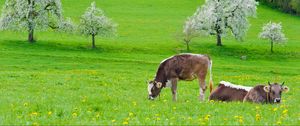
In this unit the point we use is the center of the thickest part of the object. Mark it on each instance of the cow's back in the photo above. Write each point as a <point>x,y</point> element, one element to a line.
<point>183,65</point>
<point>226,93</point>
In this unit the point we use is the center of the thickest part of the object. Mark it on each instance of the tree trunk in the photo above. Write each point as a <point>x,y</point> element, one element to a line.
<point>219,39</point>
<point>30,36</point>
<point>93,41</point>
<point>30,19</point>
<point>187,45</point>
<point>272,46</point>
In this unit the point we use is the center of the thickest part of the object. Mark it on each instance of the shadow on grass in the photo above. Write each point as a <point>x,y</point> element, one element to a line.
<point>49,46</point>
<point>233,50</point>
<point>250,51</point>
<point>73,46</point>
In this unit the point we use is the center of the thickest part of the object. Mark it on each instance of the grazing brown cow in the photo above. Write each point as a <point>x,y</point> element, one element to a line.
<point>227,91</point>
<point>266,94</point>
<point>181,67</point>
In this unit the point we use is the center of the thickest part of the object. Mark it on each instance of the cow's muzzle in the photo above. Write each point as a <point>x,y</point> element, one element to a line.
<point>277,100</point>
<point>151,98</point>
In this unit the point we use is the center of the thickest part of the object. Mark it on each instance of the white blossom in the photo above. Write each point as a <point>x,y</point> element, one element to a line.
<point>94,22</point>
<point>273,32</point>
<point>30,15</point>
<point>217,17</point>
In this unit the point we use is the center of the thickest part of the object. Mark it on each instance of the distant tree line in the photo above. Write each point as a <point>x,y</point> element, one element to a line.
<point>288,6</point>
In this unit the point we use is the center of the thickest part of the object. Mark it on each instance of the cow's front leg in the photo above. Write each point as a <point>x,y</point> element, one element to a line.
<point>174,89</point>
<point>202,86</point>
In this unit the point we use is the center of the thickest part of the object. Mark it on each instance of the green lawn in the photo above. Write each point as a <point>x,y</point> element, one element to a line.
<point>61,80</point>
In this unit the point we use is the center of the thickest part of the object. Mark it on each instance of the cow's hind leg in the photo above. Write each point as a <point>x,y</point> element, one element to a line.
<point>202,85</point>
<point>174,88</point>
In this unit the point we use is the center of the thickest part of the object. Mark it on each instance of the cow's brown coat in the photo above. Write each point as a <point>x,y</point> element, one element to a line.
<point>181,67</point>
<point>266,94</point>
<point>225,93</point>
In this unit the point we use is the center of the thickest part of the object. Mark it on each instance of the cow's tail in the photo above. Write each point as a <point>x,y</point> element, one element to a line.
<point>210,77</point>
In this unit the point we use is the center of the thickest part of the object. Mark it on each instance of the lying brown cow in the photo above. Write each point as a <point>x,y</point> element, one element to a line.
<point>266,94</point>
<point>227,91</point>
<point>181,67</point>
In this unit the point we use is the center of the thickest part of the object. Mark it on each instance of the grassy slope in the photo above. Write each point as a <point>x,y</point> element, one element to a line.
<point>61,74</point>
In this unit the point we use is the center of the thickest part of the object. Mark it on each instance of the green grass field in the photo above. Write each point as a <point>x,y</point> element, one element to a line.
<point>61,80</point>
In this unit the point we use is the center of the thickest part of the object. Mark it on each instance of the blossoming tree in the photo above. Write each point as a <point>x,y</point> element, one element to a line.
<point>93,22</point>
<point>217,17</point>
<point>30,15</point>
<point>273,32</point>
<point>189,31</point>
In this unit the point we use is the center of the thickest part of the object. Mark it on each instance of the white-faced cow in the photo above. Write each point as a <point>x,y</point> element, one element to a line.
<point>266,94</point>
<point>181,67</point>
<point>227,91</point>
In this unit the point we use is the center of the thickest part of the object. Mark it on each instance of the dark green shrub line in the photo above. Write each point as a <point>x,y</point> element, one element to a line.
<point>287,6</point>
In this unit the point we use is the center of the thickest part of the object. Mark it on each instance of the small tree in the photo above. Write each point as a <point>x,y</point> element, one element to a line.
<point>93,22</point>
<point>272,32</point>
<point>30,15</point>
<point>189,31</point>
<point>216,17</point>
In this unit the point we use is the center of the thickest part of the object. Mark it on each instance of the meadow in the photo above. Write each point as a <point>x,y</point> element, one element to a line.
<point>60,79</point>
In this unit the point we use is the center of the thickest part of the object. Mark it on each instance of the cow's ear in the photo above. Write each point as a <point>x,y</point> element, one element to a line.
<point>158,84</point>
<point>267,88</point>
<point>285,89</point>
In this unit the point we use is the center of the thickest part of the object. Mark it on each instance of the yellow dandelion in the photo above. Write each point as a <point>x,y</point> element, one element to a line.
<point>275,109</point>
<point>97,115</point>
<point>130,114</point>
<point>156,114</point>
<point>164,100</point>
<point>113,121</point>
<point>257,107</point>
<point>49,113</point>
<point>206,118</point>
<point>125,123</point>
<point>285,111</point>
<point>174,108</point>
<point>134,103</point>
<point>74,114</point>
<point>278,122</point>
<point>236,116</point>
<point>208,115</point>
<point>35,124</point>
<point>127,119</point>
<point>190,118</point>
<point>211,101</point>
<point>225,119</point>
<point>34,113</point>
<point>25,104</point>
<point>241,121</point>
<point>257,117</point>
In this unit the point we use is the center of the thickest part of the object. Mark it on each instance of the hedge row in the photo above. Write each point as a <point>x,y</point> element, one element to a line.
<point>288,6</point>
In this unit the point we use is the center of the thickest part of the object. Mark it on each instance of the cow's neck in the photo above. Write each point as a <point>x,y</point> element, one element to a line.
<point>161,75</point>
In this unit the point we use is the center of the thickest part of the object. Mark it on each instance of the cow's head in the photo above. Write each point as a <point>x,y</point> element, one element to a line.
<point>154,89</point>
<point>274,91</point>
